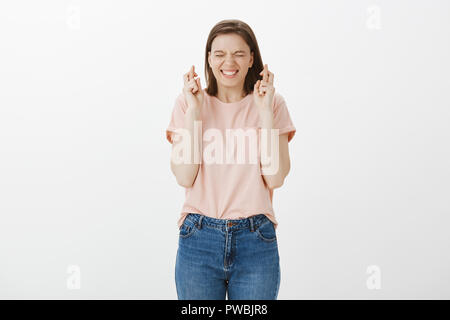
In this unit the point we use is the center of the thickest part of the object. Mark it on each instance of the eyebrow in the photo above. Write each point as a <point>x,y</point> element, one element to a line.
<point>215,51</point>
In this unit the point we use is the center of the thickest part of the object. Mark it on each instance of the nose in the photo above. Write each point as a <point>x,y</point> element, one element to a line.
<point>229,65</point>
<point>229,58</point>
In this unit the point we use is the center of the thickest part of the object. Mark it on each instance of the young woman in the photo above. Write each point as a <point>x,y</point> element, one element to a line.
<point>227,238</point>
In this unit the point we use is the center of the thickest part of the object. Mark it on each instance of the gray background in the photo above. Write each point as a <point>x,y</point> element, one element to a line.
<point>88,204</point>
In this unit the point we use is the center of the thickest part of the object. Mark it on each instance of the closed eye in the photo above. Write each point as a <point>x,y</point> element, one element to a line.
<point>221,55</point>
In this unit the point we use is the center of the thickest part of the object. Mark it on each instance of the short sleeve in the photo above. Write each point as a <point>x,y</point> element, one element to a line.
<point>177,117</point>
<point>281,118</point>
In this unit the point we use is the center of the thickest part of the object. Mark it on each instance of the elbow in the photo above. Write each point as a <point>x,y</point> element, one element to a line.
<point>185,178</point>
<point>275,184</point>
<point>187,183</point>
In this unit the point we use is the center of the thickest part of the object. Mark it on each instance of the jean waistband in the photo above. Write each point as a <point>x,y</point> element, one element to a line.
<point>251,222</point>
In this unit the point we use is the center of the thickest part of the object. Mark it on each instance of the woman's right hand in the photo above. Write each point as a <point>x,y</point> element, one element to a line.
<point>192,90</point>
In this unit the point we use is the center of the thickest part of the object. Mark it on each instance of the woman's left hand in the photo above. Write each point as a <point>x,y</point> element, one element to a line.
<point>263,91</point>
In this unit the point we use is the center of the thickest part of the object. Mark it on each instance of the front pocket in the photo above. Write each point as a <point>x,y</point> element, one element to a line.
<point>187,229</point>
<point>266,232</point>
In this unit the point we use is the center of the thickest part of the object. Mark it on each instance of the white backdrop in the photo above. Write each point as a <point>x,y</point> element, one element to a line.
<point>88,204</point>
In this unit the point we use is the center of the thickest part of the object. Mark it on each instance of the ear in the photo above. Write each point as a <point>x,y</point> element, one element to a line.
<point>251,59</point>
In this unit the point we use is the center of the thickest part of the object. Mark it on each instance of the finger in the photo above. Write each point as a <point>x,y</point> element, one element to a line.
<point>194,89</point>
<point>199,84</point>
<point>185,78</point>
<point>266,73</point>
<point>193,86</point>
<point>266,88</point>
<point>191,73</point>
<point>193,70</point>
<point>257,87</point>
<point>265,84</point>
<point>262,90</point>
<point>271,76</point>
<point>257,84</point>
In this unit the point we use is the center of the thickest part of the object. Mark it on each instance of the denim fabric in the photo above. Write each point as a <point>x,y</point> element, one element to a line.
<point>218,257</point>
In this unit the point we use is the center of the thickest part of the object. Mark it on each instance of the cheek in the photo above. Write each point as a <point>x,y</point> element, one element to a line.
<point>216,62</point>
<point>215,67</point>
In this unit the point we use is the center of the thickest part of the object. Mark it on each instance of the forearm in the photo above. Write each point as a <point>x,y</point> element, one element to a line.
<point>187,171</point>
<point>276,170</point>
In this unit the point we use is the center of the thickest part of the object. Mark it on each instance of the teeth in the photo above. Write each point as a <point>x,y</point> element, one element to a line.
<point>228,73</point>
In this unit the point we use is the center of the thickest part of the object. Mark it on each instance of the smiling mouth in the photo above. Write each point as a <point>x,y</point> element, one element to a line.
<point>229,74</point>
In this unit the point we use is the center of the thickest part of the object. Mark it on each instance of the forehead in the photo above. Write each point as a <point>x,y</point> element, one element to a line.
<point>229,42</point>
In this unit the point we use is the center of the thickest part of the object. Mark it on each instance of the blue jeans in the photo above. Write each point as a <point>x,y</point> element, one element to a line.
<point>237,257</point>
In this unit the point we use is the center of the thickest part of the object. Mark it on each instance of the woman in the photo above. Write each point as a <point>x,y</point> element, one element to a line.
<point>227,239</point>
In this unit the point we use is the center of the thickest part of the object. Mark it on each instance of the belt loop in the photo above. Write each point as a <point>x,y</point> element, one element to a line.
<point>200,222</point>
<point>251,224</point>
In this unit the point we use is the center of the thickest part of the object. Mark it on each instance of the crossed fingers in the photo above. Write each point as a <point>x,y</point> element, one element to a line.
<point>190,81</point>
<point>267,80</point>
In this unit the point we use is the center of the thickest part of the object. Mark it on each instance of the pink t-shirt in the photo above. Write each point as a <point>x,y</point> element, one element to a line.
<point>229,190</point>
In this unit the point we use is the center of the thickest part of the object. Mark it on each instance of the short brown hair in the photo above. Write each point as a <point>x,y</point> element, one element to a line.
<point>241,28</point>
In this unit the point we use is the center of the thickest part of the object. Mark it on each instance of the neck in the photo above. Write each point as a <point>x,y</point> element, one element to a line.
<point>230,95</point>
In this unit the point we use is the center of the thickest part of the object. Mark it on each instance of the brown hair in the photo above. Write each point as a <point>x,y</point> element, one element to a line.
<point>241,28</point>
